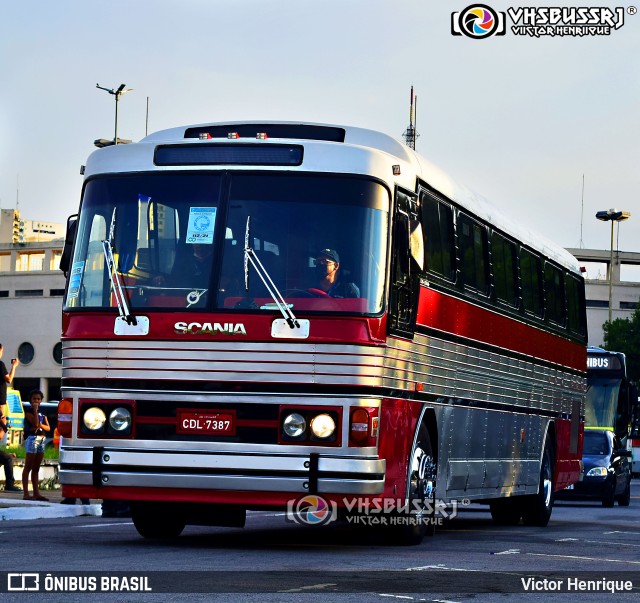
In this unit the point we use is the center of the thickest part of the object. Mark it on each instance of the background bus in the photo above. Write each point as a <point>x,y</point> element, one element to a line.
<point>612,400</point>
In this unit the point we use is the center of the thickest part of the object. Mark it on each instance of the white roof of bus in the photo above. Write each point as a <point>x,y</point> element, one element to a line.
<point>411,162</point>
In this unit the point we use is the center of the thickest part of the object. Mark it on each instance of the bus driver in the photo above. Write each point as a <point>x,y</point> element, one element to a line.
<point>327,268</point>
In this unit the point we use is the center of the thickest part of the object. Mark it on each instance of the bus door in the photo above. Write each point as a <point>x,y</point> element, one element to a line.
<point>407,262</point>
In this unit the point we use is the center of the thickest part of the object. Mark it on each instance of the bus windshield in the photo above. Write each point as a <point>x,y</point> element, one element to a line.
<point>602,402</point>
<point>178,241</point>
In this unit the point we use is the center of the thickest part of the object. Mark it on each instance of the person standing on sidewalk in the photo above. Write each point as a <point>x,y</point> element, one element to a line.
<point>35,426</point>
<point>6,459</point>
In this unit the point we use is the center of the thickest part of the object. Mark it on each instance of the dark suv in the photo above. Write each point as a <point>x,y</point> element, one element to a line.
<point>607,470</point>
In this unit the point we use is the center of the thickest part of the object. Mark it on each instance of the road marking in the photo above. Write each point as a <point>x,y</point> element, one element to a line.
<point>441,566</point>
<point>104,525</point>
<point>622,532</point>
<point>567,540</point>
<point>509,552</point>
<point>396,596</point>
<point>310,587</point>
<point>584,558</point>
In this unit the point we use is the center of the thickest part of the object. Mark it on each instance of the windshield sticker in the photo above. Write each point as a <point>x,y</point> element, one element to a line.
<point>75,279</point>
<point>201,223</point>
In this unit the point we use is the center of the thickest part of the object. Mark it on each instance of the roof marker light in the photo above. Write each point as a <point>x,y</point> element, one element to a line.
<point>233,135</point>
<point>261,136</point>
<point>205,136</point>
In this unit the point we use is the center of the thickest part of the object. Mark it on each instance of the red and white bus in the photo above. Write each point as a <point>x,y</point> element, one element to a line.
<point>259,313</point>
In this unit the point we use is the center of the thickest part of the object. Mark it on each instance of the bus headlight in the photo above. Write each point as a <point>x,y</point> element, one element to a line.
<point>120,419</point>
<point>323,426</point>
<point>294,425</point>
<point>94,418</point>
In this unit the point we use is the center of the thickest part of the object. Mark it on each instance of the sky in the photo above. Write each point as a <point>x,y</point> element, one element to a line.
<point>521,120</point>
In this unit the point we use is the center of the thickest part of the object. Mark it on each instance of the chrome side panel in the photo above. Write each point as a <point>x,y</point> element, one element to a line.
<point>492,410</point>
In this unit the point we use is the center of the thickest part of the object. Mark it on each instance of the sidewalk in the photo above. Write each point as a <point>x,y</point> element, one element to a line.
<point>14,507</point>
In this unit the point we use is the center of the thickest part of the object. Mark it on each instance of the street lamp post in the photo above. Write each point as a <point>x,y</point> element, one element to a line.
<point>117,93</point>
<point>612,215</point>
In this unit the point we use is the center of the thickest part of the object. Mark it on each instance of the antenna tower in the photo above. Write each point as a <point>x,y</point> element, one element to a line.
<point>411,134</point>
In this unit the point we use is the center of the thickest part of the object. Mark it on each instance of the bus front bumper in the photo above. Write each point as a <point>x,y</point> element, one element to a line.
<point>107,468</point>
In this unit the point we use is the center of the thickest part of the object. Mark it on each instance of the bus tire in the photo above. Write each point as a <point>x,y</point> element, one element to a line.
<point>537,507</point>
<point>157,520</point>
<point>421,493</point>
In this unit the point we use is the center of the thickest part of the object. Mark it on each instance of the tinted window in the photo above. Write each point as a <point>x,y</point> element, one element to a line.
<point>472,239</point>
<point>503,257</point>
<point>554,294</point>
<point>530,277</point>
<point>575,303</point>
<point>596,442</point>
<point>437,218</point>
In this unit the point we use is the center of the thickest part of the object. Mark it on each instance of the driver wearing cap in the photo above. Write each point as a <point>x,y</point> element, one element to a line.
<point>327,266</point>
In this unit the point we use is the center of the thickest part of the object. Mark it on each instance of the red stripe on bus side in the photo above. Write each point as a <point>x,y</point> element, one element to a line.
<point>452,315</point>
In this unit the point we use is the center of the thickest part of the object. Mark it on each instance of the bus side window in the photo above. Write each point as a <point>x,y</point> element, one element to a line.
<point>530,278</point>
<point>437,218</point>
<point>472,242</point>
<point>554,294</point>
<point>503,261</point>
<point>575,303</point>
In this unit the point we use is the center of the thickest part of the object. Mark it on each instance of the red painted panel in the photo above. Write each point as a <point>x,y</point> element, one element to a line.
<point>452,315</point>
<point>224,327</point>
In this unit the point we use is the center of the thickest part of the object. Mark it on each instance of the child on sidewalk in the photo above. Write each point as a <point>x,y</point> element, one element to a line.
<point>35,426</point>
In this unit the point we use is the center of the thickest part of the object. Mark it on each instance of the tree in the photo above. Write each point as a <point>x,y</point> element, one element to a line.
<point>623,335</point>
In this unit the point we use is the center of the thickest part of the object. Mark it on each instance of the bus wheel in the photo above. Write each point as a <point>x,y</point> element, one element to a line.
<point>157,520</point>
<point>537,508</point>
<point>420,520</point>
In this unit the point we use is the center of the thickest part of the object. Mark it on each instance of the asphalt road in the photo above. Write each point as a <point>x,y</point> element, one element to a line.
<point>270,560</point>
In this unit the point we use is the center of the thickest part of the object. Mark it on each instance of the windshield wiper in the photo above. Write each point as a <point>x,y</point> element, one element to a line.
<point>114,277</point>
<point>251,257</point>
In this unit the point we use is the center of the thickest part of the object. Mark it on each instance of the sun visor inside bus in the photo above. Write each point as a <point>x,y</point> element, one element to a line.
<point>126,240</point>
<point>290,131</point>
<point>228,154</point>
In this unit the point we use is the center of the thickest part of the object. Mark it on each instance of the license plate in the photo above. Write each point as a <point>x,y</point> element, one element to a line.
<point>206,422</point>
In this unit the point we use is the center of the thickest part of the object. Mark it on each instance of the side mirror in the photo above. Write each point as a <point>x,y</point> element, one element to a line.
<point>65,259</point>
<point>416,244</point>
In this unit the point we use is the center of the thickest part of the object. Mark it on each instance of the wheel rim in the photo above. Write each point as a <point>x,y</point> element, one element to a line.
<point>423,478</point>
<point>547,486</point>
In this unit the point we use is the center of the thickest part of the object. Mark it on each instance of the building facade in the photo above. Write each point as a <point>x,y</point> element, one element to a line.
<point>31,293</point>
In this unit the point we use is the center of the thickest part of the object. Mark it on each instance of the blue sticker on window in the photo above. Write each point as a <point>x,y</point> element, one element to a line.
<point>202,221</point>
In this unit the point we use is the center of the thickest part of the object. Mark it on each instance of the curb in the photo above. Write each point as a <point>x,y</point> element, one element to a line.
<point>23,510</point>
